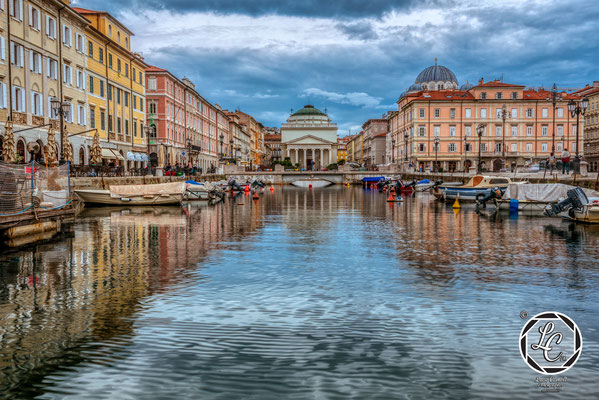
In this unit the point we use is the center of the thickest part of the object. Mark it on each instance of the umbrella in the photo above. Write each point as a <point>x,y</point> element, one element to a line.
<point>50,149</point>
<point>96,150</point>
<point>8,143</point>
<point>67,150</point>
<point>160,156</point>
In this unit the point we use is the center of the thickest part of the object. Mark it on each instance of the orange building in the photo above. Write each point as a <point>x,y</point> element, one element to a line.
<point>518,123</point>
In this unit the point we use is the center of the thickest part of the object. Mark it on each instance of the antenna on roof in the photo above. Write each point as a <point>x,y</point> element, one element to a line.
<point>325,110</point>
<point>291,111</point>
<point>435,61</point>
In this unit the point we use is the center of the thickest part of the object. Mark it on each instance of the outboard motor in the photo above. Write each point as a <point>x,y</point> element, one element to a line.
<point>234,185</point>
<point>381,184</point>
<point>576,199</point>
<point>411,184</point>
<point>494,194</point>
<point>437,184</point>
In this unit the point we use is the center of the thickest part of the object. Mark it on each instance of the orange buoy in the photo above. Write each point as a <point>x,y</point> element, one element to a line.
<point>390,199</point>
<point>272,189</point>
<point>247,188</point>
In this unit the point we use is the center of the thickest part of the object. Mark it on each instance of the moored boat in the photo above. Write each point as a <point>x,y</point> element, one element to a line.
<point>477,188</point>
<point>311,183</point>
<point>135,195</point>
<point>535,197</point>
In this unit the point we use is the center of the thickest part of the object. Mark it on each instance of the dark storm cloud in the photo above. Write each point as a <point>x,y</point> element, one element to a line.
<point>311,8</point>
<point>358,30</point>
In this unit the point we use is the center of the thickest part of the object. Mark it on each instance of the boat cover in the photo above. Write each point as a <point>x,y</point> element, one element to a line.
<point>372,178</point>
<point>542,192</point>
<point>424,181</point>
<point>145,190</point>
<point>192,182</point>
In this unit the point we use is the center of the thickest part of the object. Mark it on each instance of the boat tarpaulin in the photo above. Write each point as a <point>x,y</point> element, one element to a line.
<point>372,178</point>
<point>424,181</point>
<point>542,192</point>
<point>192,182</point>
<point>147,190</point>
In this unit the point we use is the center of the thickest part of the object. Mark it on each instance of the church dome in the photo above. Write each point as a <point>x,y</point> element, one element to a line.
<point>437,77</point>
<point>415,87</point>
<point>466,86</point>
<point>309,110</point>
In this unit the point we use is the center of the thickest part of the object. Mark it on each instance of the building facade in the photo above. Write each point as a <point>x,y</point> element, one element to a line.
<point>114,77</point>
<point>591,125</point>
<point>438,127</point>
<point>375,141</point>
<point>272,144</point>
<point>309,138</point>
<point>255,130</point>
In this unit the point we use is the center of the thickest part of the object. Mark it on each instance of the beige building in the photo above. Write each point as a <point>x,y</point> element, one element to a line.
<point>42,57</point>
<point>591,125</point>
<point>375,138</point>
<point>309,138</point>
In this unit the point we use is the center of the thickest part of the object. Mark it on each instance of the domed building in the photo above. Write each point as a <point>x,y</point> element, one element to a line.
<point>437,77</point>
<point>309,138</point>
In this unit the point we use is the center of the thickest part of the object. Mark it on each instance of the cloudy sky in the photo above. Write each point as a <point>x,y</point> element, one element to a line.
<point>355,57</point>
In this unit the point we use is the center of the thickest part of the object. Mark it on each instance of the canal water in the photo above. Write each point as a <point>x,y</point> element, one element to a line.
<point>322,294</point>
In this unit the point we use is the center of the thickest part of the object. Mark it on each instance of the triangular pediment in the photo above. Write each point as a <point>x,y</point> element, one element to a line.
<point>309,139</point>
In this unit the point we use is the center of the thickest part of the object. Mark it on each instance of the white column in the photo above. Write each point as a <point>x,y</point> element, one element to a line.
<point>305,161</point>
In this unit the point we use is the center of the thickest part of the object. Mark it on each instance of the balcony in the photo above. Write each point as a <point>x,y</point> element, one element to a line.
<point>19,118</point>
<point>37,120</point>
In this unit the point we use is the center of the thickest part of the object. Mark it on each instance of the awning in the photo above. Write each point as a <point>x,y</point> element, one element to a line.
<point>108,154</point>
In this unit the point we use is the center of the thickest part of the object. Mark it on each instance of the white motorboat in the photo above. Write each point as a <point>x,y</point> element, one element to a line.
<point>135,195</point>
<point>589,214</point>
<point>535,197</point>
<point>478,187</point>
<point>311,183</point>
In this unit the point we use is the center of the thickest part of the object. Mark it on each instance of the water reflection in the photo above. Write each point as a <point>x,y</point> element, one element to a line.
<point>319,293</point>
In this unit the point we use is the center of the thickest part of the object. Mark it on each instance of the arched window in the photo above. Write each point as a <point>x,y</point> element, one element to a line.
<point>21,151</point>
<point>81,156</point>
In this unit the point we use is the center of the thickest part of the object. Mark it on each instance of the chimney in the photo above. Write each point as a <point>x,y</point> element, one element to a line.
<point>595,83</point>
<point>480,82</point>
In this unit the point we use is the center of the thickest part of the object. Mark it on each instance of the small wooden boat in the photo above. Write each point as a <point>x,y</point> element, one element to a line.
<point>478,187</point>
<point>311,183</point>
<point>135,195</point>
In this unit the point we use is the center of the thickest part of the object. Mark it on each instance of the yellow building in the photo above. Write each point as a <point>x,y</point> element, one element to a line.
<point>41,58</point>
<point>116,87</point>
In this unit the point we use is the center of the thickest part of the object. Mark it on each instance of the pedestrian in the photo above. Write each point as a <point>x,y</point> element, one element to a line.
<point>552,163</point>
<point>566,162</point>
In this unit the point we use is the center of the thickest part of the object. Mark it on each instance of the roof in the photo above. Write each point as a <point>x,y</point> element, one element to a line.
<point>308,109</point>
<point>152,68</point>
<point>441,95</point>
<point>272,138</point>
<point>497,83</point>
<point>86,11</point>
<point>436,73</point>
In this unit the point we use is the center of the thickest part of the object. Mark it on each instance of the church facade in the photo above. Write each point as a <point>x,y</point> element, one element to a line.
<point>309,138</point>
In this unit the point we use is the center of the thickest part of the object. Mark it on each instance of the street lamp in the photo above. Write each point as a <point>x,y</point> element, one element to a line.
<point>480,129</point>
<point>149,130</point>
<point>577,109</point>
<point>61,109</point>
<point>392,151</point>
<point>465,151</point>
<point>222,138</point>
<point>504,116</point>
<point>437,140</point>
<point>554,98</point>
<point>406,137</point>
<point>231,147</point>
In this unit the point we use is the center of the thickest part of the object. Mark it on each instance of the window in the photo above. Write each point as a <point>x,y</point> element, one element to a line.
<point>468,113</point>
<point>34,18</point>
<point>544,130</point>
<point>35,62</point>
<point>514,147</point>
<point>529,147</point>
<point>544,113</point>
<point>437,113</point>
<point>135,128</point>
<point>16,9</point>
<point>152,108</point>
<point>133,72</point>
<point>530,113</point>
<point>558,146</point>
<point>109,92</point>
<point>422,147</point>
<point>498,131</point>
<point>102,120</point>
<point>452,113</point>
<point>118,125</point>
<point>109,31</point>
<point>483,95</point>
<point>69,115</point>
<point>110,123</point>
<point>421,131</point>
<point>467,130</point>
<point>51,27</point>
<point>452,130</point>
<point>3,96</point>
<point>543,146</point>
<point>91,84</point>
<point>499,95</point>
<point>140,78</point>
<point>573,146</point>
<point>141,104</point>
<point>141,129</point>
<point>109,60</point>
<point>498,147</point>
<point>529,130</point>
<point>126,70</point>
<point>118,64</point>
<point>90,49</point>
<point>81,115</point>
<point>152,85</point>
<point>560,130</point>
<point>118,96</point>
<point>80,79</point>
<point>92,117</point>
<point>16,55</point>
<point>483,147</point>
<point>498,113</point>
<point>452,147</point>
<point>514,131</point>
<point>437,130</point>
<point>126,99</point>
<point>66,36</point>
<point>514,113</point>
<point>560,112</point>
<point>79,43</point>
<point>127,127</point>
<point>118,37</point>
<point>514,95</point>
<point>468,147</point>
<point>483,113</point>
<point>573,130</point>
<point>36,104</point>
<point>67,74</point>
<point>135,102</point>
<point>127,43</point>
<point>101,55</point>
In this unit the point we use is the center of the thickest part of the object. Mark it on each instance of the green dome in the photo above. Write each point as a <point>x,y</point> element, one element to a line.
<point>309,110</point>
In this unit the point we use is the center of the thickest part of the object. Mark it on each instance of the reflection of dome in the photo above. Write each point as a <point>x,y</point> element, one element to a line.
<point>466,86</point>
<point>416,87</point>
<point>309,110</point>
<point>437,77</point>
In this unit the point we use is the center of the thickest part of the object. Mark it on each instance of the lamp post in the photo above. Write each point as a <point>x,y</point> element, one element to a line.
<point>61,109</point>
<point>406,137</point>
<point>479,131</point>
<point>577,109</point>
<point>392,151</point>
<point>504,117</point>
<point>554,98</point>
<point>465,155</point>
<point>437,140</point>
<point>222,139</point>
<point>149,130</point>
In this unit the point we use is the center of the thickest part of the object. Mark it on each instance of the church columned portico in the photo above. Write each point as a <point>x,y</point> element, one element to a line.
<point>309,139</point>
